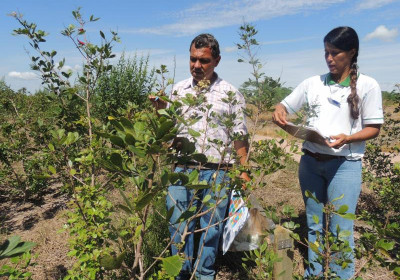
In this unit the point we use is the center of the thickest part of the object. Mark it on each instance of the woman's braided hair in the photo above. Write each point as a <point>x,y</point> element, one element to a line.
<point>345,38</point>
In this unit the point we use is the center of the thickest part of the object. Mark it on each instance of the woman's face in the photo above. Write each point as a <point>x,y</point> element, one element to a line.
<point>337,60</point>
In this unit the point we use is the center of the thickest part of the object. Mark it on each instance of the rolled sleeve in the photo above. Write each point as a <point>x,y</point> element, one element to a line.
<point>294,101</point>
<point>372,111</point>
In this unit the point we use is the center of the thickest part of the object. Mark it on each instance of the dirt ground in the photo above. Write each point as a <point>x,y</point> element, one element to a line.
<point>42,222</point>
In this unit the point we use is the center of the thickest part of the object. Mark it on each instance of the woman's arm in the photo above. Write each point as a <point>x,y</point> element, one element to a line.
<point>368,132</point>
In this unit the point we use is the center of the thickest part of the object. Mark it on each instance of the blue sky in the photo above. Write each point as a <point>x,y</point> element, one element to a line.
<point>290,33</point>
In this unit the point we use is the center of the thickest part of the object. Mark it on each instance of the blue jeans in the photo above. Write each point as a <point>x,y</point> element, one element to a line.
<point>328,180</point>
<point>182,199</point>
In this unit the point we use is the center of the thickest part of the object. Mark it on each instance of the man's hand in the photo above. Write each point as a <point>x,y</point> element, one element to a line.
<point>245,176</point>
<point>279,115</point>
<point>157,102</point>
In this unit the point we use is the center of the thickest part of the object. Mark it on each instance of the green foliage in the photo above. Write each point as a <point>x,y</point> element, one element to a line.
<point>14,247</point>
<point>129,81</point>
<point>381,241</point>
<point>264,259</point>
<point>24,131</point>
<point>19,254</point>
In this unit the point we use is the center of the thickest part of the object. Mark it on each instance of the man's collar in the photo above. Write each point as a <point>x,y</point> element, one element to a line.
<point>192,83</point>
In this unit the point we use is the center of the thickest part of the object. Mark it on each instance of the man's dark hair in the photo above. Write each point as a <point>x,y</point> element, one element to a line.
<point>206,40</point>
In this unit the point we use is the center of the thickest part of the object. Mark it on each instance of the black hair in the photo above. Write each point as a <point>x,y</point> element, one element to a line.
<point>206,40</point>
<point>345,38</point>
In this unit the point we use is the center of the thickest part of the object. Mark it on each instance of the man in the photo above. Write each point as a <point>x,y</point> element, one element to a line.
<point>204,58</point>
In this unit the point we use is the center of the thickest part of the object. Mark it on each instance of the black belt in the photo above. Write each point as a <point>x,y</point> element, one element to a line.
<point>208,165</point>
<point>321,157</point>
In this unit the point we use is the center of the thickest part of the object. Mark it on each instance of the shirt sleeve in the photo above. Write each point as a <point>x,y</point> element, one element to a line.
<point>294,101</point>
<point>371,108</point>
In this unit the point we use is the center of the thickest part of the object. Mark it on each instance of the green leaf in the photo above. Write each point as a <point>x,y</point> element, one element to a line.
<point>169,213</point>
<point>315,219</point>
<point>164,178</point>
<point>349,216</point>
<point>144,200</point>
<point>343,209</point>
<point>200,158</point>
<point>116,159</point>
<point>193,133</point>
<point>175,177</point>
<point>127,201</point>
<point>164,128</point>
<point>172,265</point>
<point>116,140</point>
<point>193,176</point>
<point>52,169</point>
<point>102,34</point>
<point>163,112</point>
<point>116,124</point>
<point>386,245</point>
<point>127,124</point>
<point>206,198</point>
<point>338,198</point>
<point>125,208</point>
<point>14,247</point>
<point>139,128</point>
<point>129,139</point>
<point>111,262</point>
<point>51,147</point>
<point>310,195</point>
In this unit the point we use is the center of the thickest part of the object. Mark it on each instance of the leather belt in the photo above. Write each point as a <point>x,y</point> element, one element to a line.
<point>208,165</point>
<point>321,157</point>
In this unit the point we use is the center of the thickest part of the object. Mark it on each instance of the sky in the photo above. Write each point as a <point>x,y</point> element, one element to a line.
<point>290,33</point>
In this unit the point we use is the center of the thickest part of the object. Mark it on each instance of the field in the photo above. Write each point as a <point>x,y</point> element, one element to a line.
<point>42,221</point>
<point>84,170</point>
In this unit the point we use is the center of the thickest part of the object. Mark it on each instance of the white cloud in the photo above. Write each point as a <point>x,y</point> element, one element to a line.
<point>230,49</point>
<point>230,12</point>
<point>383,33</point>
<point>372,4</point>
<point>23,75</point>
<point>76,67</point>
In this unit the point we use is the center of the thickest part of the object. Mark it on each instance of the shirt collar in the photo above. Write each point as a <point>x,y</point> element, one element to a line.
<point>344,83</point>
<point>191,84</point>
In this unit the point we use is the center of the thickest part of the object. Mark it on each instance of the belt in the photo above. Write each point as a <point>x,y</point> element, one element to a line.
<point>321,157</point>
<point>207,165</point>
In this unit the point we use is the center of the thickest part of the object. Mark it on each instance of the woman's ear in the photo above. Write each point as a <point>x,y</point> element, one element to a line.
<point>352,52</point>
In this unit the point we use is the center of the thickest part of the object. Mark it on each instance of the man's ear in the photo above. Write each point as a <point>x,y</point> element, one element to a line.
<point>217,61</point>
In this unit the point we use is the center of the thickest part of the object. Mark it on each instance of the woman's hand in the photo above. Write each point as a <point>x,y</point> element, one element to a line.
<point>339,141</point>
<point>368,132</point>
<point>279,115</point>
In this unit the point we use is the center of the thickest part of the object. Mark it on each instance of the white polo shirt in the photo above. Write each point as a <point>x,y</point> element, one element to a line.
<point>332,117</point>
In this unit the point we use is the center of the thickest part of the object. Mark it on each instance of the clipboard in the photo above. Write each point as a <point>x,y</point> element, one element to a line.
<point>306,133</point>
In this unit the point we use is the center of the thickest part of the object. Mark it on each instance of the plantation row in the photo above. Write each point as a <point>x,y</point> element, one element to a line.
<point>101,136</point>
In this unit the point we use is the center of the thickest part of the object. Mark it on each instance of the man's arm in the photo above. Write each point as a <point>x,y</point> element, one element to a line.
<point>241,148</point>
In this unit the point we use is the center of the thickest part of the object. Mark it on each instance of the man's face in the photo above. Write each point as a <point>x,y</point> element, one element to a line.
<point>202,63</point>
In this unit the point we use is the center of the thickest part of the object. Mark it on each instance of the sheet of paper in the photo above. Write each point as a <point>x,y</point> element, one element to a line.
<point>305,133</point>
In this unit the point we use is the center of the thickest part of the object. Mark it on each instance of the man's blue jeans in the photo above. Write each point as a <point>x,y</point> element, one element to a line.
<point>182,199</point>
<point>328,180</point>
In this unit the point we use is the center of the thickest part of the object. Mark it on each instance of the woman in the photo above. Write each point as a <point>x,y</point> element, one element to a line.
<point>347,109</point>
